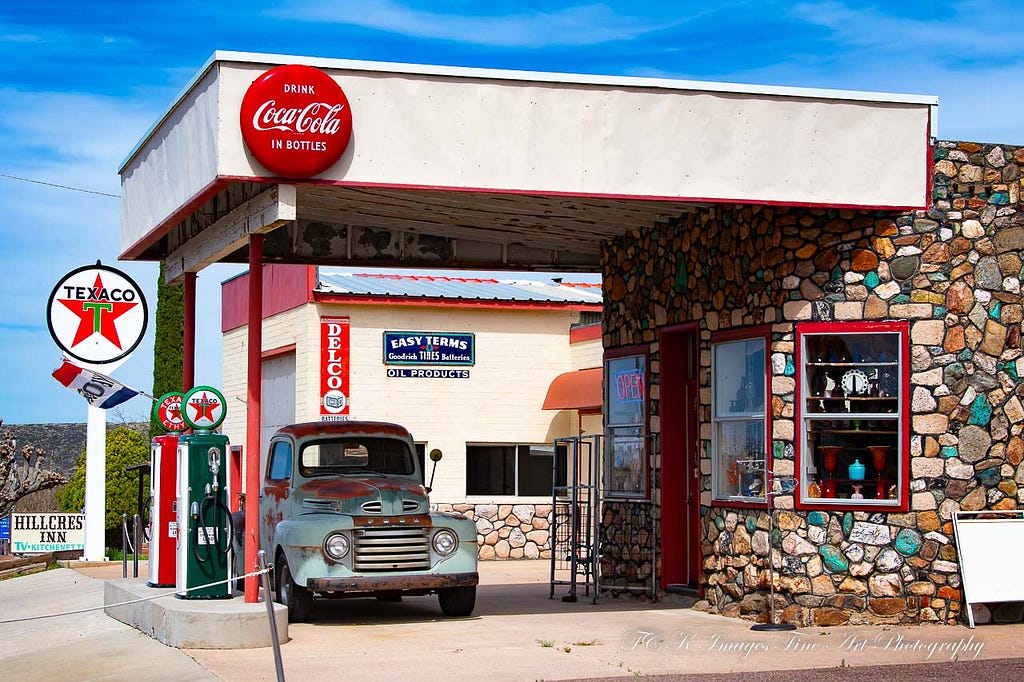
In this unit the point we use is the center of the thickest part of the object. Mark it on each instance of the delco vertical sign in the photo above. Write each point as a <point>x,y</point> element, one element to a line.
<point>335,352</point>
<point>296,121</point>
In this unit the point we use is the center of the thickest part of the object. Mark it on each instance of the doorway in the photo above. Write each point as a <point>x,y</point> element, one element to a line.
<point>680,462</point>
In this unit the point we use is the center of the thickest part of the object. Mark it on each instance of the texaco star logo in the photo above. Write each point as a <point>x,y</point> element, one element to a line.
<point>167,411</point>
<point>97,314</point>
<point>203,408</point>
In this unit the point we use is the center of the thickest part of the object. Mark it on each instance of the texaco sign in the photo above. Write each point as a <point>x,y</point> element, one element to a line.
<point>168,412</point>
<point>203,408</point>
<point>97,314</point>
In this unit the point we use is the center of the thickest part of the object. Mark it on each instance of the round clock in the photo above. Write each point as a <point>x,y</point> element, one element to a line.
<point>854,382</point>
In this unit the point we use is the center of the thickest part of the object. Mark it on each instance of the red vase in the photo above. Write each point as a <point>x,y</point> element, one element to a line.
<point>828,488</point>
<point>830,457</point>
<point>879,454</point>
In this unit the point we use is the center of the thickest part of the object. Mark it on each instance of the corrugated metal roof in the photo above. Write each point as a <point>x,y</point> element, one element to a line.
<point>463,288</point>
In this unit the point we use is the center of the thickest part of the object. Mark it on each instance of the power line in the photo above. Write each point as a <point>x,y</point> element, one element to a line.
<point>53,184</point>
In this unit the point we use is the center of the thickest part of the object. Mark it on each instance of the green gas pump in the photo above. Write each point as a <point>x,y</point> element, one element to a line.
<point>204,517</point>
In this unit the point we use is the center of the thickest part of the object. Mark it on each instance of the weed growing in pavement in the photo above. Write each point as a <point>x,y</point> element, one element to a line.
<point>546,643</point>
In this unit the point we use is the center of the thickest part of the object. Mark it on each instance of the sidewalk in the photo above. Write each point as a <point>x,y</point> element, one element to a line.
<point>79,646</point>
<point>515,634</point>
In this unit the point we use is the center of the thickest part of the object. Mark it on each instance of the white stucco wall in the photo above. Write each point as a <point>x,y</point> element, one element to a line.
<point>518,354</point>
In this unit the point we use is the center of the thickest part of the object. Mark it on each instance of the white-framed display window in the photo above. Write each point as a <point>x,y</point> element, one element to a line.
<point>851,411</point>
<point>739,415</point>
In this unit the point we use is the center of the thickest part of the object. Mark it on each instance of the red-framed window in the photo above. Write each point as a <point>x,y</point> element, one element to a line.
<point>853,433</point>
<point>626,451</point>
<point>740,415</point>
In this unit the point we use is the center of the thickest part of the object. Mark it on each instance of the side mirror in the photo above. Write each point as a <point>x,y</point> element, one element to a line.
<point>435,457</point>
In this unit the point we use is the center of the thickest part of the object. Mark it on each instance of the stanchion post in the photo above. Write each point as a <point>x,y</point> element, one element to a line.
<point>261,558</point>
<point>135,546</point>
<point>124,545</point>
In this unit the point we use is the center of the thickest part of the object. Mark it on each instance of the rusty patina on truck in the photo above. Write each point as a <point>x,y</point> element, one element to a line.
<point>344,513</point>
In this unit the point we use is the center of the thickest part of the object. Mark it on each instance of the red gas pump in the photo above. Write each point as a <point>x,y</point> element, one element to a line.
<point>163,515</point>
<point>163,479</point>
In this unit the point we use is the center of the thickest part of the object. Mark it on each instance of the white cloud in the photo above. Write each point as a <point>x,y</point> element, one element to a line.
<point>76,140</point>
<point>949,31</point>
<point>590,24</point>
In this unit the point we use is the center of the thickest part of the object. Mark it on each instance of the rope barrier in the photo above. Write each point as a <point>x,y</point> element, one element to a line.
<point>136,601</point>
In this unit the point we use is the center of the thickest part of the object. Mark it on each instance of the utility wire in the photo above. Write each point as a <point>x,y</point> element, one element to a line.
<point>53,184</point>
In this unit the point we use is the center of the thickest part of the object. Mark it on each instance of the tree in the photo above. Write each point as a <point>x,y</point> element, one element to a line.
<point>124,449</point>
<point>22,473</point>
<point>168,345</point>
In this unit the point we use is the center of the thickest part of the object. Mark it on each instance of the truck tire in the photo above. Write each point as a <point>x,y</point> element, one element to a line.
<point>457,602</point>
<point>296,597</point>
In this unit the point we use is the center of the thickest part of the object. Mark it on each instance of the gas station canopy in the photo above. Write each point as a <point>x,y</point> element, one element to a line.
<point>474,168</point>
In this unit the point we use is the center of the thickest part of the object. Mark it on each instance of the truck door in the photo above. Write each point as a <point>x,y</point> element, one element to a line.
<point>276,487</point>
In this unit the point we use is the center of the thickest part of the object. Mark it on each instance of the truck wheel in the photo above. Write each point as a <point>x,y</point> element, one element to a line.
<point>457,602</point>
<point>296,597</point>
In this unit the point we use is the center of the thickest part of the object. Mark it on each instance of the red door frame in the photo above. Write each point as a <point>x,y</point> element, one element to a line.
<point>680,464</point>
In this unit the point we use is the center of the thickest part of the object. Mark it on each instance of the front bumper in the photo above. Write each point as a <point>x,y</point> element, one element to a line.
<point>387,583</point>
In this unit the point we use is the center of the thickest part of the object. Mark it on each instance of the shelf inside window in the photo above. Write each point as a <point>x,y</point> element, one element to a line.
<point>851,379</point>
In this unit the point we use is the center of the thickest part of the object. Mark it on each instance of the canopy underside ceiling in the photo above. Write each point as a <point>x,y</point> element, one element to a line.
<point>373,226</point>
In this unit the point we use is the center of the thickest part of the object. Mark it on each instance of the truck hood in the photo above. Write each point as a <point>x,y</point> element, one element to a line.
<point>369,496</point>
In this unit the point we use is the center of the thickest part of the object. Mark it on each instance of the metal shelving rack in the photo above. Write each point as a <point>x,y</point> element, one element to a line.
<point>769,492</point>
<point>575,518</point>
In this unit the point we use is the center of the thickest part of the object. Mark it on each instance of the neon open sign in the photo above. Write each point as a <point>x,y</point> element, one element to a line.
<point>629,386</point>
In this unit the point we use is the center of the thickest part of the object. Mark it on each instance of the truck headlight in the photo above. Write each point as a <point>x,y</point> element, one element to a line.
<point>336,546</point>
<point>445,542</point>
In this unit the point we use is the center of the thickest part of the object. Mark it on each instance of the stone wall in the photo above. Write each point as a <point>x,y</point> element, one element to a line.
<point>508,531</point>
<point>953,272</point>
<point>627,539</point>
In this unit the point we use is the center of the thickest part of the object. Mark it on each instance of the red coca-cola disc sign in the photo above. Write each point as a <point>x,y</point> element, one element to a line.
<point>296,121</point>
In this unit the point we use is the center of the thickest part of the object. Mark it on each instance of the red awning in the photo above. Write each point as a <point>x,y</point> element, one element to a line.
<point>579,390</point>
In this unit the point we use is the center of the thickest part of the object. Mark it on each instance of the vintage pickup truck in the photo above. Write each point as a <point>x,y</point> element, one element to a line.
<point>344,513</point>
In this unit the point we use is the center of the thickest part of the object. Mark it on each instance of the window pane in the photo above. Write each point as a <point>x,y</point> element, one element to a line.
<point>626,473</point>
<point>851,416</point>
<point>739,377</point>
<point>626,391</point>
<point>280,468</point>
<point>421,459</point>
<point>740,458</point>
<point>535,462</point>
<point>490,469</point>
<point>362,456</point>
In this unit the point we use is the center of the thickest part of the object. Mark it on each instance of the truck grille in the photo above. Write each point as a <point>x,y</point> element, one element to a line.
<point>391,549</point>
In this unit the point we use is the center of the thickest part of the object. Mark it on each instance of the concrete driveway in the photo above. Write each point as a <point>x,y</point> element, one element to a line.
<point>516,633</point>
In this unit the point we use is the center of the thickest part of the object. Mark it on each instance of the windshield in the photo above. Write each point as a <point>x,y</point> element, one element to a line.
<point>356,457</point>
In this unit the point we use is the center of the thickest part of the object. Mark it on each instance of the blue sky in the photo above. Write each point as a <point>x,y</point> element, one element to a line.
<point>81,82</point>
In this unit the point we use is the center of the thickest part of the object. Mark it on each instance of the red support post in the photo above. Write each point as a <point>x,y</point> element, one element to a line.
<point>188,363</point>
<point>253,413</point>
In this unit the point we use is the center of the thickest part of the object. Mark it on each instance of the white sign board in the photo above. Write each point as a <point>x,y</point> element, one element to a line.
<point>990,545</point>
<point>31,533</point>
